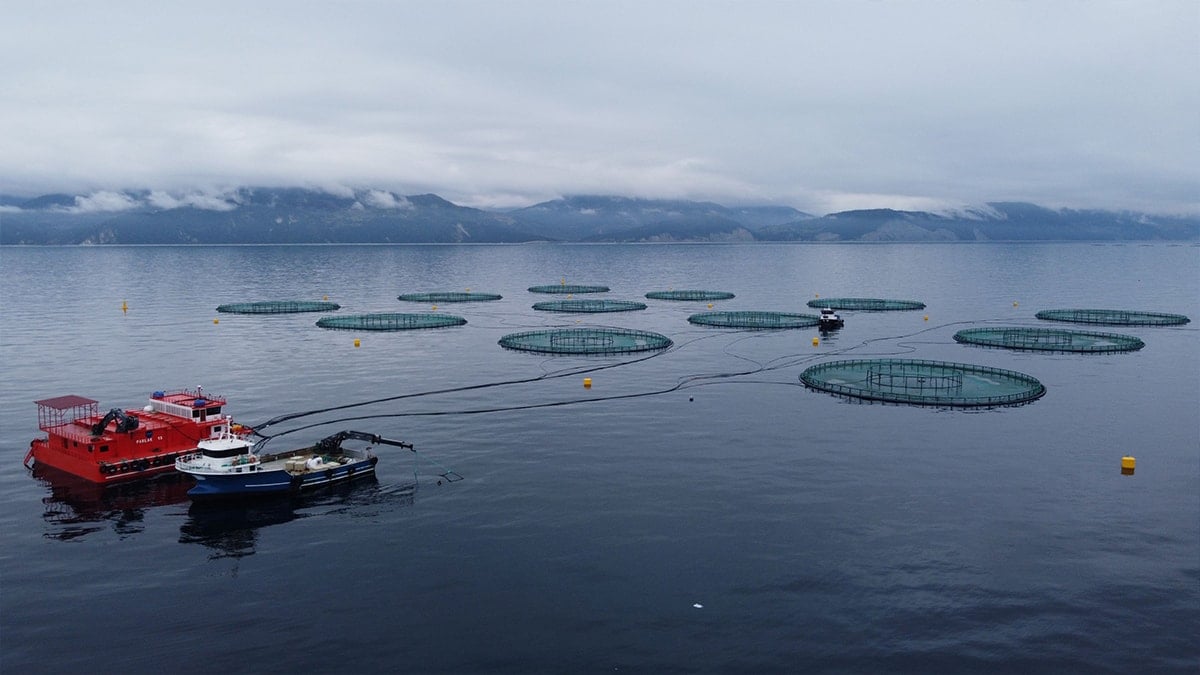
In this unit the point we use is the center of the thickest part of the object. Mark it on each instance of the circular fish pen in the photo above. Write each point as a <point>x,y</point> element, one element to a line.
<point>934,383</point>
<point>447,297</point>
<point>1113,317</point>
<point>563,289</point>
<point>867,304</point>
<point>586,341</point>
<point>1049,340</point>
<point>700,296</point>
<point>278,307</point>
<point>754,320</point>
<point>589,306</point>
<point>391,322</point>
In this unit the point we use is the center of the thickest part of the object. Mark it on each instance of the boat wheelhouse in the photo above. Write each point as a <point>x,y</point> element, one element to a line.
<point>829,319</point>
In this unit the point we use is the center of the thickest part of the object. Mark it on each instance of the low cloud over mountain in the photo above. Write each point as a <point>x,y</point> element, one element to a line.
<point>294,215</point>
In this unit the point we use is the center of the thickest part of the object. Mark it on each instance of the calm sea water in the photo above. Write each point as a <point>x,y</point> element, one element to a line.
<point>726,520</point>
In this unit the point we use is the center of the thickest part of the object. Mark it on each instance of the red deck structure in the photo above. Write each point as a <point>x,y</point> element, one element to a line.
<point>123,445</point>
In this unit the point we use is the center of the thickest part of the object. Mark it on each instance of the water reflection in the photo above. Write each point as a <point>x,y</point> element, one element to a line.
<point>76,507</point>
<point>231,527</point>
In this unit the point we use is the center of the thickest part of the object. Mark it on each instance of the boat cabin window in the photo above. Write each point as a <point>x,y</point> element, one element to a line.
<point>226,452</point>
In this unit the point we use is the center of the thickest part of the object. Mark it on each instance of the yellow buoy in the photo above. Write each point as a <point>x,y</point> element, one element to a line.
<point>816,295</point>
<point>1014,303</point>
<point>569,296</point>
<point>325,297</point>
<point>1128,463</point>
<point>710,305</point>
<point>435,308</point>
<point>216,321</point>
<point>124,307</point>
<point>816,341</point>
<point>562,282</point>
<point>468,289</point>
<point>926,317</point>
<point>587,383</point>
<point>357,342</point>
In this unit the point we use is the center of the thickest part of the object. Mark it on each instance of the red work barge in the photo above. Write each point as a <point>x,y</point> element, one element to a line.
<point>123,445</point>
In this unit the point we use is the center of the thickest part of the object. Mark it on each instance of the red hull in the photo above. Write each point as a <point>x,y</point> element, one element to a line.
<point>125,445</point>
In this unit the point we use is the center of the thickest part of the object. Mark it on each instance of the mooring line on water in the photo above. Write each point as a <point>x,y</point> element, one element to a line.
<point>688,381</point>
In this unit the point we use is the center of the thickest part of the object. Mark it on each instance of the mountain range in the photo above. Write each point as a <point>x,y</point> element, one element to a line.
<point>255,215</point>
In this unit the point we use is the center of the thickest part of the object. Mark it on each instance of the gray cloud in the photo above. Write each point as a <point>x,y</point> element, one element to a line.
<point>103,202</point>
<point>816,105</point>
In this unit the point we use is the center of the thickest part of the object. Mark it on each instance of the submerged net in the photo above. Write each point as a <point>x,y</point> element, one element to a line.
<point>563,289</point>
<point>936,383</point>
<point>278,307</point>
<point>1113,317</point>
<point>586,341</point>
<point>1049,340</point>
<point>759,320</point>
<point>690,295</point>
<point>391,321</point>
<point>867,304</point>
<point>449,296</point>
<point>589,306</point>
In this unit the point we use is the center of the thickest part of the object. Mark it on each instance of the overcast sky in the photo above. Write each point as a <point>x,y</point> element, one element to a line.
<point>823,106</point>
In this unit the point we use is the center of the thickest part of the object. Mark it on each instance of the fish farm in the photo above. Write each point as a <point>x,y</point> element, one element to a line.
<point>278,307</point>
<point>867,304</point>
<point>754,320</point>
<point>563,289</point>
<point>589,306</point>
<point>448,297</point>
<point>1112,317</point>
<point>915,382</point>
<point>701,296</point>
<point>586,341</point>
<point>391,322</point>
<point>1049,340</point>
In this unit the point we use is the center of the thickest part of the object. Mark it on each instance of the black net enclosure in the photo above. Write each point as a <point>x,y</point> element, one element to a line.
<point>1049,340</point>
<point>754,320</point>
<point>699,296</point>
<point>934,383</point>
<point>1113,317</point>
<point>278,307</point>
<point>589,306</point>
<point>449,296</point>
<point>867,304</point>
<point>586,341</point>
<point>391,321</point>
<point>566,289</point>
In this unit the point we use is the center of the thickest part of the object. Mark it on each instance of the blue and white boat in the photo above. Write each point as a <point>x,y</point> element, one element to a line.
<point>227,466</point>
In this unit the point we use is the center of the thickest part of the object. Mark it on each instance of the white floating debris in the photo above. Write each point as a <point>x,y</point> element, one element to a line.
<point>698,605</point>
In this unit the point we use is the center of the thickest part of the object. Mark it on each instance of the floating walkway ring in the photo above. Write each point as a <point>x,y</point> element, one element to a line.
<point>278,307</point>
<point>867,304</point>
<point>754,320</point>
<point>589,306</point>
<point>1049,340</point>
<point>702,296</point>
<point>449,296</point>
<point>932,383</point>
<point>586,341</point>
<point>563,289</point>
<point>1113,317</point>
<point>391,322</point>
